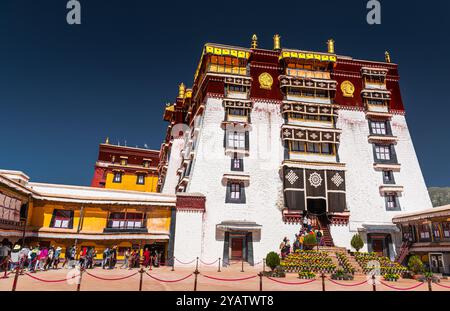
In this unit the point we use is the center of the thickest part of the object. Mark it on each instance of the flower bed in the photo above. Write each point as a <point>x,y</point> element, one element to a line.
<point>345,263</point>
<point>311,261</point>
<point>342,275</point>
<point>392,277</point>
<point>306,275</point>
<point>386,265</point>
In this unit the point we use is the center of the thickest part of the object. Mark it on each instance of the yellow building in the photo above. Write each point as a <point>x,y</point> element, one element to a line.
<point>62,215</point>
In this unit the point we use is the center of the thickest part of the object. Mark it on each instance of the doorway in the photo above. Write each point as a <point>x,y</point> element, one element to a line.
<point>237,248</point>
<point>436,263</point>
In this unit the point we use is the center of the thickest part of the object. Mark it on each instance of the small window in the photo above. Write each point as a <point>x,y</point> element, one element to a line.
<point>235,193</point>
<point>378,128</point>
<point>298,146</point>
<point>140,179</point>
<point>446,229</point>
<point>62,219</point>
<point>123,161</point>
<point>237,111</point>
<point>236,140</point>
<point>392,202</point>
<point>313,148</point>
<point>382,152</point>
<point>117,177</point>
<point>146,163</point>
<point>237,164</point>
<point>436,232</point>
<point>388,177</point>
<point>326,148</point>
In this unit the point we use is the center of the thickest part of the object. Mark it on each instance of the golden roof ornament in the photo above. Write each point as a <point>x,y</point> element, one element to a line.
<point>107,141</point>
<point>330,44</point>
<point>181,90</point>
<point>254,41</point>
<point>276,42</point>
<point>387,57</point>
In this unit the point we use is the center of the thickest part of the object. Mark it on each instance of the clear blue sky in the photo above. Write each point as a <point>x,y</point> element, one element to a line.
<point>63,88</point>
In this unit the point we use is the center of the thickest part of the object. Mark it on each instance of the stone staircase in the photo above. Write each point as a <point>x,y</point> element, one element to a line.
<point>332,250</point>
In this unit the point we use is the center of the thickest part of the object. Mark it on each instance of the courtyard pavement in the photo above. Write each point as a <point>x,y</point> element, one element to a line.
<point>182,279</point>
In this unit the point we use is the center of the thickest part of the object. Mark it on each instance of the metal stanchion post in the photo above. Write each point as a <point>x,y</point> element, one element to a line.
<point>242,265</point>
<point>196,273</point>
<point>323,281</point>
<point>374,286</point>
<point>218,270</point>
<point>79,280</point>
<point>141,271</point>
<point>429,284</point>
<point>16,278</point>
<point>264,264</point>
<point>196,265</point>
<point>173,263</point>
<point>260,281</point>
<point>151,262</point>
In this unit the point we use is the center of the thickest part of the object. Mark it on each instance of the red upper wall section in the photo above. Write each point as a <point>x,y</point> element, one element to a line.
<point>350,69</point>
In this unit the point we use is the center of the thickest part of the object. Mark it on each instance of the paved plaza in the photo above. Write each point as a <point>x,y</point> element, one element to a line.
<point>182,279</point>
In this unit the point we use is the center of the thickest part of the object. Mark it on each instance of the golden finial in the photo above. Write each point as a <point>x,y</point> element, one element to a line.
<point>181,90</point>
<point>277,42</point>
<point>107,141</point>
<point>254,41</point>
<point>330,44</point>
<point>387,57</point>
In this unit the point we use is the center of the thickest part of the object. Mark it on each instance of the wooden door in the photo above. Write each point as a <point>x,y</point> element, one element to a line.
<point>237,245</point>
<point>377,246</point>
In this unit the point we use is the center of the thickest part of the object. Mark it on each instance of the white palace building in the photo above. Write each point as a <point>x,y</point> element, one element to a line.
<point>270,136</point>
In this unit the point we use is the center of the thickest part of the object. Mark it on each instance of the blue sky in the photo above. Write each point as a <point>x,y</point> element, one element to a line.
<point>64,88</point>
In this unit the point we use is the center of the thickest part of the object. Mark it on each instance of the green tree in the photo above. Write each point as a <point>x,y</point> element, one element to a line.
<point>357,242</point>
<point>272,260</point>
<point>415,265</point>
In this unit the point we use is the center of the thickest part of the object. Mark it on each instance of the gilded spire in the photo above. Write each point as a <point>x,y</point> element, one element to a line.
<point>181,90</point>
<point>254,41</point>
<point>107,141</point>
<point>276,42</point>
<point>330,44</point>
<point>387,57</point>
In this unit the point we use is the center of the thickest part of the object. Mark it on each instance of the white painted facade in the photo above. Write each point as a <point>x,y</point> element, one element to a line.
<point>197,233</point>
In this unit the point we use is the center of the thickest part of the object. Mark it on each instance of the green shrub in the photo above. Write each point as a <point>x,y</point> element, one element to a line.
<point>272,260</point>
<point>415,265</point>
<point>310,241</point>
<point>357,243</point>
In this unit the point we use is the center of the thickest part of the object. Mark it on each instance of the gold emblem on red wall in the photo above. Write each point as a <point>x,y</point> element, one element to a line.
<point>265,81</point>
<point>347,88</point>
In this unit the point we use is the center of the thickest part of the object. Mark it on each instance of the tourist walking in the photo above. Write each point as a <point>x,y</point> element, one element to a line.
<point>146,257</point>
<point>126,256</point>
<point>106,255</point>
<point>56,257</point>
<point>15,257</point>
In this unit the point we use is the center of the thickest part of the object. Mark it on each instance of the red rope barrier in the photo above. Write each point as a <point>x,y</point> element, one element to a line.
<point>229,280</point>
<point>398,288</point>
<point>288,283</point>
<point>169,281</point>
<point>185,263</point>
<point>50,281</point>
<point>348,285</point>
<point>111,279</point>
<point>209,264</point>
<point>444,286</point>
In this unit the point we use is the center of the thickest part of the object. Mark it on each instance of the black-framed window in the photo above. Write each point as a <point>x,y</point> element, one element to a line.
<point>125,220</point>
<point>384,153</point>
<point>446,230</point>
<point>388,177</point>
<point>392,202</point>
<point>298,146</point>
<point>237,163</point>
<point>436,231</point>
<point>237,139</point>
<point>378,102</point>
<point>378,128</point>
<point>140,179</point>
<point>235,193</point>
<point>313,147</point>
<point>117,177</point>
<point>62,219</point>
<point>237,112</point>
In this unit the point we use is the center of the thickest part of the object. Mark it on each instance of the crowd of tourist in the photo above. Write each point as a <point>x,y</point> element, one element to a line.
<point>299,240</point>
<point>41,258</point>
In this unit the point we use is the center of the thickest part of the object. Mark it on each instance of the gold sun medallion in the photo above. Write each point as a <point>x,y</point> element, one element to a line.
<point>265,81</point>
<point>347,88</point>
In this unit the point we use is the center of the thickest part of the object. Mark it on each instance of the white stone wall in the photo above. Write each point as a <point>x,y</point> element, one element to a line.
<point>174,162</point>
<point>264,193</point>
<point>188,237</point>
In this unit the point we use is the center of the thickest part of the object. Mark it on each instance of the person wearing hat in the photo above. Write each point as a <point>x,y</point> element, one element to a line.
<point>15,257</point>
<point>56,256</point>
